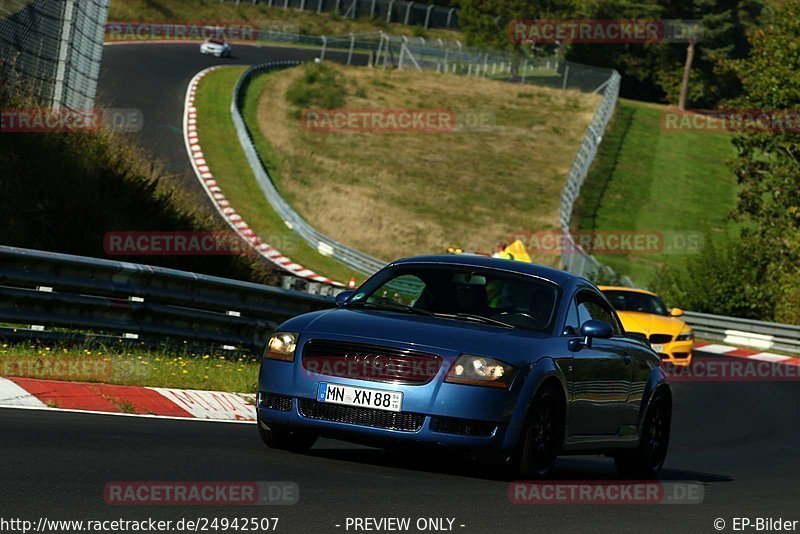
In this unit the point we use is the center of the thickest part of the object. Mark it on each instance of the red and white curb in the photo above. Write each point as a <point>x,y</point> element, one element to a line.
<point>204,175</point>
<point>172,403</point>
<point>727,350</point>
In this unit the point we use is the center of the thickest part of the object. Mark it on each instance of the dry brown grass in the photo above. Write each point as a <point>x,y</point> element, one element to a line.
<point>399,194</point>
<point>289,20</point>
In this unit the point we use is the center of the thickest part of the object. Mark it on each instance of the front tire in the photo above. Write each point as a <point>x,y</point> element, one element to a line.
<point>647,459</point>
<point>541,437</point>
<point>285,438</point>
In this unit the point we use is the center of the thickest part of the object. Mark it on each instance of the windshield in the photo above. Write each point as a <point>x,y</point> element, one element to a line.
<point>463,293</point>
<point>634,301</point>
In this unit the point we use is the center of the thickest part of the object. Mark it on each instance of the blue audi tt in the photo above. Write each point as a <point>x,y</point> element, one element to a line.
<point>471,352</point>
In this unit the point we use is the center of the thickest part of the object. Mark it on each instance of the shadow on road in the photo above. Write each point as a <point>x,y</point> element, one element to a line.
<point>449,463</point>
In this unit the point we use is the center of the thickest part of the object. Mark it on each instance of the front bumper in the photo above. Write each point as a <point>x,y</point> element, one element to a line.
<point>678,353</point>
<point>436,413</point>
<point>404,429</point>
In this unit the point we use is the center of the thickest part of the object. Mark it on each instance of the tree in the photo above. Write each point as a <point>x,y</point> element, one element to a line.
<point>768,159</point>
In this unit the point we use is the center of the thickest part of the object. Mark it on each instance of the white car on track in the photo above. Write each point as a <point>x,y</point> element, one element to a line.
<point>216,47</point>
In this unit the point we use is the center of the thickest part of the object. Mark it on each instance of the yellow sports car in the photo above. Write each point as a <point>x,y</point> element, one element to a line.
<point>644,312</point>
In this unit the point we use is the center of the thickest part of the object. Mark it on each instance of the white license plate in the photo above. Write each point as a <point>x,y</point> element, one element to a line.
<point>379,399</point>
<point>657,348</point>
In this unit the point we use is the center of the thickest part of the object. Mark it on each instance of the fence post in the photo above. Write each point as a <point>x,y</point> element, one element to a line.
<point>450,16</point>
<point>352,45</point>
<point>63,47</point>
<point>372,9</point>
<point>336,7</point>
<point>324,47</point>
<point>319,6</point>
<point>566,76</point>
<point>408,12</point>
<point>428,15</point>
<point>389,11</point>
<point>524,68</point>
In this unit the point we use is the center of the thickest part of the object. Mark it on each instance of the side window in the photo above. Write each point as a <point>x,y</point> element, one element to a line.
<point>591,307</point>
<point>572,325</point>
<point>405,289</point>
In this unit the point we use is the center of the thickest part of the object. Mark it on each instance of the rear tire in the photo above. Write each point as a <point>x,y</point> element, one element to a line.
<point>285,438</point>
<point>647,459</point>
<point>541,437</point>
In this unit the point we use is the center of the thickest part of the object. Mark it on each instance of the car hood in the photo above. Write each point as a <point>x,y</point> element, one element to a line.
<point>649,323</point>
<point>431,334</point>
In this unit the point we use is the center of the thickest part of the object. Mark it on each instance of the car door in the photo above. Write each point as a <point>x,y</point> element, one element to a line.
<point>599,376</point>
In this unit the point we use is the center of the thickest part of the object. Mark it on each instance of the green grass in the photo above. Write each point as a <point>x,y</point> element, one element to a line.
<point>647,178</point>
<point>134,366</point>
<point>227,162</point>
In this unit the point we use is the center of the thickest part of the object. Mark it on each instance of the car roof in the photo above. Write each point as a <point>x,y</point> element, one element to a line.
<point>630,289</point>
<point>556,276</point>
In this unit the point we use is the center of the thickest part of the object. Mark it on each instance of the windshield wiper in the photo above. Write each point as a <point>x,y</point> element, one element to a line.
<point>476,318</point>
<point>392,306</point>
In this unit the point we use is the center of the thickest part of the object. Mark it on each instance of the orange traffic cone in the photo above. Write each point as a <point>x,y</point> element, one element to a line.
<point>352,283</point>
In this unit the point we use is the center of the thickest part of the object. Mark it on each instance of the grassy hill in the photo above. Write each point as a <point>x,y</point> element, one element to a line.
<point>649,178</point>
<point>394,194</point>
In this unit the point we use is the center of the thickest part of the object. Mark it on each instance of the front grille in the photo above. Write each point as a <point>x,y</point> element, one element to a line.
<point>275,402</point>
<point>407,422</point>
<point>462,427</point>
<point>369,362</point>
<point>660,339</point>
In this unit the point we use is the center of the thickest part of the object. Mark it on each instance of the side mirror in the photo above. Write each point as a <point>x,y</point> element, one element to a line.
<point>591,329</point>
<point>343,297</point>
<point>676,312</point>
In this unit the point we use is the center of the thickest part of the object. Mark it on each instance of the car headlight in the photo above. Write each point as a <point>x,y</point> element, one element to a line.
<point>685,336</point>
<point>480,371</point>
<point>281,346</point>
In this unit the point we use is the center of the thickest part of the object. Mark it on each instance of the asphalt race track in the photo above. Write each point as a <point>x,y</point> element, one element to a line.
<point>153,79</point>
<point>740,440</point>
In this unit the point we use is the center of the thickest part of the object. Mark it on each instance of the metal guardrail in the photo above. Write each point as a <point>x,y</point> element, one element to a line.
<point>72,293</point>
<point>59,294</point>
<point>747,332</point>
<point>573,257</point>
